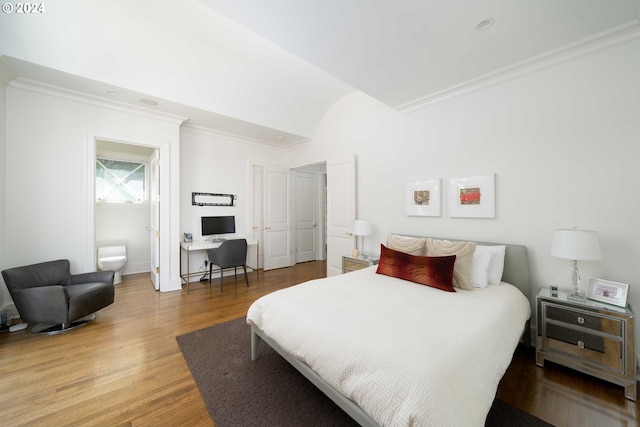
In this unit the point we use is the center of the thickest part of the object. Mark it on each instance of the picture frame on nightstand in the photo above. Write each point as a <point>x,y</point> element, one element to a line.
<point>607,291</point>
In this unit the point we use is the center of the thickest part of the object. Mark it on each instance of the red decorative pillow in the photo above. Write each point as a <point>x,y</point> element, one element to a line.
<point>434,271</point>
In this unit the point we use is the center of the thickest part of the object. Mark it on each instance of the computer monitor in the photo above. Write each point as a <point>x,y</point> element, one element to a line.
<point>217,225</point>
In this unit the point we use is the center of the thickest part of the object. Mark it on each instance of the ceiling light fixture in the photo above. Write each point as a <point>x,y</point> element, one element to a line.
<point>147,101</point>
<point>484,24</point>
<point>112,92</point>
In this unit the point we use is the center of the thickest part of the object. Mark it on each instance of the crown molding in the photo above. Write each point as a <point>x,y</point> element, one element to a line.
<point>237,138</point>
<point>6,73</point>
<point>603,40</point>
<point>56,91</point>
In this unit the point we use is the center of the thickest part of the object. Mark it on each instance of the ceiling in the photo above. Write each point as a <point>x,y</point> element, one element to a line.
<point>37,75</point>
<point>267,71</point>
<point>403,50</point>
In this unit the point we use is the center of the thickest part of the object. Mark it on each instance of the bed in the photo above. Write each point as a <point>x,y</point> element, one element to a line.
<point>392,352</point>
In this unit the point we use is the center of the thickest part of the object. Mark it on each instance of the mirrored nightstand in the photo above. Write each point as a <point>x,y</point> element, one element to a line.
<point>353,263</point>
<point>591,337</point>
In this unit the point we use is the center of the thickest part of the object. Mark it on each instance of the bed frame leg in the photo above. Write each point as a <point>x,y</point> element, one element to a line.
<point>255,345</point>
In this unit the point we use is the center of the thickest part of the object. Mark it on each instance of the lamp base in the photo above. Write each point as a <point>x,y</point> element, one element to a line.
<point>574,296</point>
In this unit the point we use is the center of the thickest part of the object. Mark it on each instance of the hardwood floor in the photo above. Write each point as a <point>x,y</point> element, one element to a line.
<point>125,368</point>
<point>564,397</point>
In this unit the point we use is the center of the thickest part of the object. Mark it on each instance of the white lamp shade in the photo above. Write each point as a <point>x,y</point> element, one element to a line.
<point>574,244</point>
<point>362,228</point>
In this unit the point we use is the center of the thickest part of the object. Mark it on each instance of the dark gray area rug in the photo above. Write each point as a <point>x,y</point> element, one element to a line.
<point>269,391</point>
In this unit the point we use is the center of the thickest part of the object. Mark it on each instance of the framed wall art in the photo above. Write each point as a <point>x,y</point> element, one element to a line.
<point>607,291</point>
<point>422,198</point>
<point>472,197</point>
<point>213,199</point>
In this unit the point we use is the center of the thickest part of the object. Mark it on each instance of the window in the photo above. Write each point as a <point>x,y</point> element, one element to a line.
<point>120,181</point>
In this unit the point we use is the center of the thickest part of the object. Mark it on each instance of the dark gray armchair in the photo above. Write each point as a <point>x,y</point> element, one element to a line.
<point>48,294</point>
<point>230,253</point>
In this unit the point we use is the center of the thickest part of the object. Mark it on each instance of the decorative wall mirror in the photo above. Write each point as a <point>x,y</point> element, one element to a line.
<point>213,199</point>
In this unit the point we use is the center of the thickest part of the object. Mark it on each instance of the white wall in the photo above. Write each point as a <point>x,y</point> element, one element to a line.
<point>47,146</point>
<point>563,141</point>
<point>215,163</point>
<point>126,224</point>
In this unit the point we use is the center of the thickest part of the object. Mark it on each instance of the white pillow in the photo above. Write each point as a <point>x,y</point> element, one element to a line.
<point>406,244</point>
<point>482,261</point>
<point>496,267</point>
<point>464,259</point>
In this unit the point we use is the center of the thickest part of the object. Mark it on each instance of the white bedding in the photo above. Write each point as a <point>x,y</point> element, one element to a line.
<point>407,354</point>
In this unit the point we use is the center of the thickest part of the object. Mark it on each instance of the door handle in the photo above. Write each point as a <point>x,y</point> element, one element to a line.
<point>350,234</point>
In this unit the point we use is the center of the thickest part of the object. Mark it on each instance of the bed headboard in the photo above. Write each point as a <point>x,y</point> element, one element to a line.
<point>516,263</point>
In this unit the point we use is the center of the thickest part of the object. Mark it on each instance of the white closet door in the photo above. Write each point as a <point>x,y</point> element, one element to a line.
<point>341,211</point>
<point>277,223</point>
<point>306,210</point>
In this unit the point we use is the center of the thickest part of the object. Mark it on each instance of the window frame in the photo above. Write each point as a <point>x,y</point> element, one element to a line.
<point>125,159</point>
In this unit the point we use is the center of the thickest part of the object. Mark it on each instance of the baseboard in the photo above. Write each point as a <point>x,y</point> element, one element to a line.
<point>136,267</point>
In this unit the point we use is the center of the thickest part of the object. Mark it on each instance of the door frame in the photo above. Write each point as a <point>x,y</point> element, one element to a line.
<point>166,239</point>
<point>322,183</point>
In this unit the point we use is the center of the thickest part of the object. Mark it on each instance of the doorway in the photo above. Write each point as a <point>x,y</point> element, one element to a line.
<point>336,211</point>
<point>289,214</point>
<point>125,200</point>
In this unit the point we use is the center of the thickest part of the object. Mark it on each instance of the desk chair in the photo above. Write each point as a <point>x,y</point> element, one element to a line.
<point>230,253</point>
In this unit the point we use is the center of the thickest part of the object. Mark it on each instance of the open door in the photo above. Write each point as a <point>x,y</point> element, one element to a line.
<point>277,223</point>
<point>154,221</point>
<point>341,211</point>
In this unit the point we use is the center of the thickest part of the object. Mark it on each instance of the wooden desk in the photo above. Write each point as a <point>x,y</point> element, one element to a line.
<point>203,245</point>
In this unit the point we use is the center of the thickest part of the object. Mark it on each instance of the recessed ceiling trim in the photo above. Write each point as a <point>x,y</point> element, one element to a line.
<point>612,37</point>
<point>73,95</point>
<point>238,138</point>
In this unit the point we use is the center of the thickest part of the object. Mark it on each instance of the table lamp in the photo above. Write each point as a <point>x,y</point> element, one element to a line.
<point>361,228</point>
<point>576,245</point>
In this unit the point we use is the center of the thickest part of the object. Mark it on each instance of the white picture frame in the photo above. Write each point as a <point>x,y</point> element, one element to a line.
<point>472,197</point>
<point>607,291</point>
<point>423,198</point>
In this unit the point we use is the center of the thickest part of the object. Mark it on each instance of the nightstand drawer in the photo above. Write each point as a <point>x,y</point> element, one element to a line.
<point>584,319</point>
<point>355,263</point>
<point>604,351</point>
<point>351,265</point>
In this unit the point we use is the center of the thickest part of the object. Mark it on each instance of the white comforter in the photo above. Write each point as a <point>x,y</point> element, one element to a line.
<point>407,354</point>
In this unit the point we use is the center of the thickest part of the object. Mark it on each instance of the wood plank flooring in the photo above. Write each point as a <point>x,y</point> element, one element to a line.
<point>125,368</point>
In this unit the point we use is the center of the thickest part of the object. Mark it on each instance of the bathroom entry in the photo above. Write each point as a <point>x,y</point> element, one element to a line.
<point>126,204</point>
